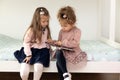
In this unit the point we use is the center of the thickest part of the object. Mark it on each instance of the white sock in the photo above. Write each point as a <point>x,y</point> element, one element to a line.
<point>24,71</point>
<point>38,69</point>
<point>67,74</point>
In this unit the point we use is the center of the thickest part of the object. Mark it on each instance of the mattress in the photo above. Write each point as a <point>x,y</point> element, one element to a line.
<point>100,51</point>
<point>95,49</point>
<point>7,47</point>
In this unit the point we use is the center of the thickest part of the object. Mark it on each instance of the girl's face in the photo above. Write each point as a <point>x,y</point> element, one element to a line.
<point>65,26</point>
<point>44,20</point>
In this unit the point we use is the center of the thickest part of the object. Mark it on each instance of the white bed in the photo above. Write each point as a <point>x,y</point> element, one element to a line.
<point>102,58</point>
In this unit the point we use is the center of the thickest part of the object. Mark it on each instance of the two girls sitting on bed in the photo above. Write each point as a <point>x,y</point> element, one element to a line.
<point>36,52</point>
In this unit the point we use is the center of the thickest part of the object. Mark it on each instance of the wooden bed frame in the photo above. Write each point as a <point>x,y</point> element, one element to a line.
<point>91,67</point>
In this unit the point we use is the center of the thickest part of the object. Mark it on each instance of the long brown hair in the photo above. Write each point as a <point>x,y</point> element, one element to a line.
<point>36,27</point>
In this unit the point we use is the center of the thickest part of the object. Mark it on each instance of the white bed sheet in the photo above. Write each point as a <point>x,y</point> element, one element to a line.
<point>100,51</point>
<point>96,50</point>
<point>7,47</point>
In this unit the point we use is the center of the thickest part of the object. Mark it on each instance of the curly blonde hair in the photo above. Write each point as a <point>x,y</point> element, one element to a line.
<point>67,14</point>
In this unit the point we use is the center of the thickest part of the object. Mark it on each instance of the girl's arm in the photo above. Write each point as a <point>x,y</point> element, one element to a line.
<point>27,43</point>
<point>74,42</point>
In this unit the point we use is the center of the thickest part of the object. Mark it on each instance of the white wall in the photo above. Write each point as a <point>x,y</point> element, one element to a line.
<point>117,37</point>
<point>110,20</point>
<point>105,18</point>
<point>16,16</point>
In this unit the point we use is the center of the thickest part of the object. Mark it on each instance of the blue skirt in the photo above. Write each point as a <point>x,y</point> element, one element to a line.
<point>38,56</point>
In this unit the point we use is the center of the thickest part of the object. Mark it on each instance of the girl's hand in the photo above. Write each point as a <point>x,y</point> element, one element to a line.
<point>49,41</point>
<point>59,43</point>
<point>27,59</point>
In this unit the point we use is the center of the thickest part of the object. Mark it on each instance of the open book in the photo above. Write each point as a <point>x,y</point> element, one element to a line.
<point>60,47</point>
<point>53,53</point>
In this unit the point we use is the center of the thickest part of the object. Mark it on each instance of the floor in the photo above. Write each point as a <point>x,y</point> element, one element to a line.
<point>54,76</point>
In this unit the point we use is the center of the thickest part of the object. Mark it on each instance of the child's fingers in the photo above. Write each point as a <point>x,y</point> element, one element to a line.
<point>26,60</point>
<point>49,40</point>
